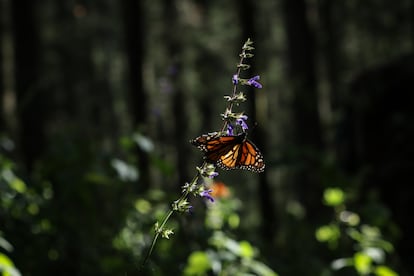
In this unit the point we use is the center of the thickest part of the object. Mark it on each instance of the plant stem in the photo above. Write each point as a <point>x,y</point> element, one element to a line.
<point>190,188</point>
<point>160,229</point>
<point>157,234</point>
<point>230,104</point>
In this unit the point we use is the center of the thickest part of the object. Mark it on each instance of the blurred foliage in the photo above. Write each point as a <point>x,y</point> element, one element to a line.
<point>16,199</point>
<point>346,231</point>
<point>84,198</point>
<point>225,255</point>
<point>37,214</point>
<point>7,267</point>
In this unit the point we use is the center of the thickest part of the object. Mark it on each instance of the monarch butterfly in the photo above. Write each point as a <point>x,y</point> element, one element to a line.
<point>230,152</point>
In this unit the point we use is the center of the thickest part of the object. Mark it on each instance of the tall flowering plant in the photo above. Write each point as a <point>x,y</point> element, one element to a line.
<point>228,148</point>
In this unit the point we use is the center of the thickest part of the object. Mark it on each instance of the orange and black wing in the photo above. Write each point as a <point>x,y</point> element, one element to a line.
<point>215,146</point>
<point>245,156</point>
<point>230,152</point>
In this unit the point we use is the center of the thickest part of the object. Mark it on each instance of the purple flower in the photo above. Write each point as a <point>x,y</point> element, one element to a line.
<point>230,129</point>
<point>242,122</point>
<point>254,82</point>
<point>235,79</point>
<point>206,194</point>
<point>213,174</point>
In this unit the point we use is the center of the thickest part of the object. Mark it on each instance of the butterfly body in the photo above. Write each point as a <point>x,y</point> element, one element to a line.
<point>230,152</point>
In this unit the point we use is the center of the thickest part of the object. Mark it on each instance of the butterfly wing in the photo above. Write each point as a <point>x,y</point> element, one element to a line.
<point>230,152</point>
<point>245,156</point>
<point>215,146</point>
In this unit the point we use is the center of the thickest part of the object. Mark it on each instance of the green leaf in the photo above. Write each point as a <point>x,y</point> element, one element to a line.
<point>341,263</point>
<point>143,206</point>
<point>5,261</point>
<point>327,233</point>
<point>125,171</point>
<point>18,185</point>
<point>33,209</point>
<point>383,270</point>
<point>333,197</point>
<point>234,221</point>
<point>246,250</point>
<point>232,246</point>
<point>7,266</point>
<point>261,269</point>
<point>144,143</point>
<point>376,254</point>
<point>198,264</point>
<point>362,263</point>
<point>5,244</point>
<point>350,218</point>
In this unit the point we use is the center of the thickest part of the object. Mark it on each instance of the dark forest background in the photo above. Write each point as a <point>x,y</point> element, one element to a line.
<point>98,100</point>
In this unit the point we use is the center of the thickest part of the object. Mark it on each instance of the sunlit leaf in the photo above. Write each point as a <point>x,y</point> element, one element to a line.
<point>333,197</point>
<point>198,264</point>
<point>143,142</point>
<point>387,246</point>
<point>143,206</point>
<point>246,250</point>
<point>371,231</point>
<point>218,239</point>
<point>261,269</point>
<point>355,234</point>
<point>383,270</point>
<point>362,263</point>
<point>350,218</point>
<point>125,171</point>
<point>5,261</point>
<point>341,263</point>
<point>7,266</point>
<point>233,221</point>
<point>327,233</point>
<point>18,185</point>
<point>375,253</point>
<point>233,246</point>
<point>5,244</point>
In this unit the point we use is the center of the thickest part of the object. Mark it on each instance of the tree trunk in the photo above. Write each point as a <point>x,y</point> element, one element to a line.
<point>137,98</point>
<point>179,107</point>
<point>30,102</point>
<point>265,200</point>
<point>2,85</point>
<point>306,125</point>
<point>134,35</point>
<point>330,28</point>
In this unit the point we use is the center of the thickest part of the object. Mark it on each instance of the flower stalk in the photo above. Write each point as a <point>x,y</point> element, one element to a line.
<point>198,185</point>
